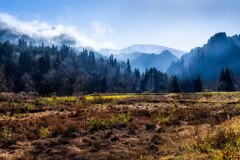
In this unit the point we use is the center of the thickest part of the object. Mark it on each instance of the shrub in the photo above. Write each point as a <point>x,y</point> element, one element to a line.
<point>109,122</point>
<point>238,108</point>
<point>43,132</point>
<point>224,143</point>
<point>162,119</point>
<point>6,135</point>
<point>28,107</point>
<point>125,117</point>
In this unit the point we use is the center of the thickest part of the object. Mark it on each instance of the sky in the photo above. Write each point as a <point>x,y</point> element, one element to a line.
<point>179,24</point>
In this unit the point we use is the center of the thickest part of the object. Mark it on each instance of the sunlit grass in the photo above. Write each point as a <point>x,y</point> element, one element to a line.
<point>115,96</point>
<point>66,99</point>
<point>69,99</point>
<point>222,143</point>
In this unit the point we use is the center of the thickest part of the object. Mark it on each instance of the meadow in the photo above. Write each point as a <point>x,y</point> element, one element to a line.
<point>120,126</point>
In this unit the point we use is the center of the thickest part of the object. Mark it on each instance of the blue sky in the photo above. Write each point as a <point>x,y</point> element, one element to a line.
<point>180,24</point>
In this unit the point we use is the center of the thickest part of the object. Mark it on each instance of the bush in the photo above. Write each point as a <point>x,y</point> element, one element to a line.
<point>43,132</point>
<point>224,143</point>
<point>6,135</point>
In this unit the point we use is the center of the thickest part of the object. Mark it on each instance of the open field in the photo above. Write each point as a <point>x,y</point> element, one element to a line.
<point>119,127</point>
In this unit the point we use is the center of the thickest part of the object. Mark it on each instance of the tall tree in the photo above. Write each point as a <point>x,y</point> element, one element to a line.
<point>45,63</point>
<point>104,85</point>
<point>128,67</point>
<point>3,82</point>
<point>198,87</point>
<point>27,83</point>
<point>25,62</point>
<point>226,82</point>
<point>91,60</point>
<point>137,73</point>
<point>174,85</point>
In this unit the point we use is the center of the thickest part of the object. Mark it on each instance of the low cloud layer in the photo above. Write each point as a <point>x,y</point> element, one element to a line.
<point>57,34</point>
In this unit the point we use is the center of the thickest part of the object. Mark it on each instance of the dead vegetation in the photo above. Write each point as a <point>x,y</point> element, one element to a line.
<point>141,127</point>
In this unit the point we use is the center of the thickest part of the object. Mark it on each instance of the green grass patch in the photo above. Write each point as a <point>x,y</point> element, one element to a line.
<point>114,96</point>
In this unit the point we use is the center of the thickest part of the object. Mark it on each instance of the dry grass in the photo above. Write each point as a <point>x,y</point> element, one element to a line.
<point>144,127</point>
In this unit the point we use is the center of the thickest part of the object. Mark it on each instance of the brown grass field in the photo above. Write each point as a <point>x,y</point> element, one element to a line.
<point>120,127</point>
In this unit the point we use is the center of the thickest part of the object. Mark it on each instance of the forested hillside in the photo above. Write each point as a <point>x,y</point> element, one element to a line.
<point>62,70</point>
<point>219,53</point>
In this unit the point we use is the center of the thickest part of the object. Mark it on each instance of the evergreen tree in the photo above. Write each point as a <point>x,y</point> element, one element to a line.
<point>111,60</point>
<point>226,82</point>
<point>25,62</point>
<point>45,63</point>
<point>91,60</point>
<point>174,85</point>
<point>198,87</point>
<point>57,61</point>
<point>137,73</point>
<point>3,82</point>
<point>104,85</point>
<point>222,75</point>
<point>128,67</point>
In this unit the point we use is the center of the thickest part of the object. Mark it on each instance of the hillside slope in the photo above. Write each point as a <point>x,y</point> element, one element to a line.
<point>207,61</point>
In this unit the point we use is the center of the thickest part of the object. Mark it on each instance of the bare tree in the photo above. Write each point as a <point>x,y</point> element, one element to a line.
<point>27,83</point>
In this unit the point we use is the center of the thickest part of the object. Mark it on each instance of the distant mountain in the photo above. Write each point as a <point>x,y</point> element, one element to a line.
<point>142,61</point>
<point>142,48</point>
<point>160,61</point>
<point>125,56</point>
<point>144,56</point>
<point>207,61</point>
<point>145,60</point>
<point>149,48</point>
<point>108,52</point>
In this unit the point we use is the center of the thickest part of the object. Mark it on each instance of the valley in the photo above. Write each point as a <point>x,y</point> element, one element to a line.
<point>120,126</point>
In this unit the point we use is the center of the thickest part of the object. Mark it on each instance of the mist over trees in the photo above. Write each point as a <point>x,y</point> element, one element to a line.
<point>226,82</point>
<point>61,70</point>
<point>207,61</point>
<point>198,87</point>
<point>53,70</point>
<point>174,85</point>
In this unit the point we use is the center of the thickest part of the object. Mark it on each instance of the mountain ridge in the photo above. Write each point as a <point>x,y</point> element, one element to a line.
<point>144,48</point>
<point>219,52</point>
<point>159,61</point>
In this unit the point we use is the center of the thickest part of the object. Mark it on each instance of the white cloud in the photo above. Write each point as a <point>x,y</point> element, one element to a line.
<point>42,30</point>
<point>100,30</point>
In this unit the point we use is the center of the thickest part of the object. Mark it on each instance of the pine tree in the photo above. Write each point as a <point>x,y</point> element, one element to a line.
<point>226,82</point>
<point>91,60</point>
<point>198,87</point>
<point>104,85</point>
<point>128,67</point>
<point>25,62</point>
<point>45,63</point>
<point>137,73</point>
<point>3,82</point>
<point>174,85</point>
<point>111,60</point>
<point>222,75</point>
<point>58,60</point>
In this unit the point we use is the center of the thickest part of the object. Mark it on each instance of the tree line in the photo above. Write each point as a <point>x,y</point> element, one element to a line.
<point>64,71</point>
